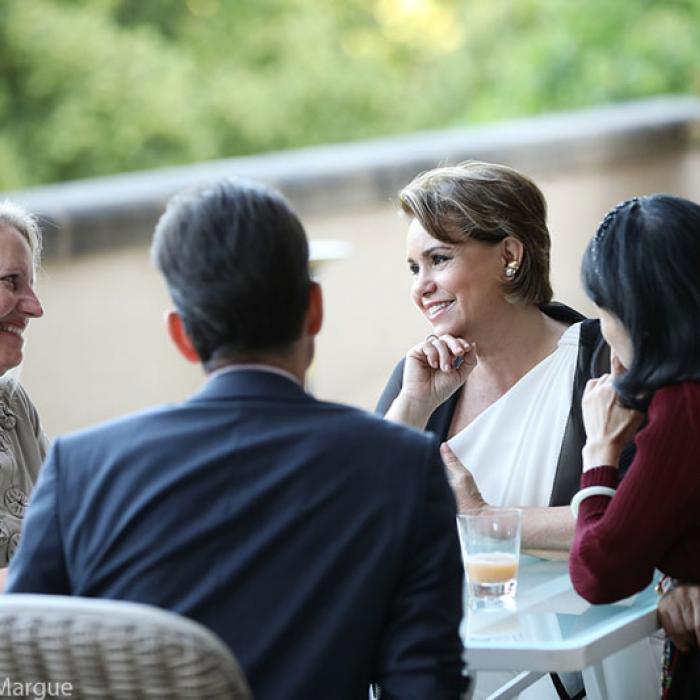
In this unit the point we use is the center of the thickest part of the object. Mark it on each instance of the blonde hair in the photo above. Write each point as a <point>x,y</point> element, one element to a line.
<point>487,202</point>
<point>26,224</point>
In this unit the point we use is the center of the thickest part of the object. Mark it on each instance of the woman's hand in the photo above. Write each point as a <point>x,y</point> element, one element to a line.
<point>437,367</point>
<point>466,491</point>
<point>679,615</point>
<point>433,371</point>
<point>609,425</point>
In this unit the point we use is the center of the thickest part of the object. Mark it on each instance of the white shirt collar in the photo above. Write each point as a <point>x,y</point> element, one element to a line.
<point>256,368</point>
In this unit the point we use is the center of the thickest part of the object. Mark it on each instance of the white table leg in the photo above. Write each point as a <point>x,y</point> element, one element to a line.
<point>594,681</point>
<point>631,672</point>
<point>516,686</point>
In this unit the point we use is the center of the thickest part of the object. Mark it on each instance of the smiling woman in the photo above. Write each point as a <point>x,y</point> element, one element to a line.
<point>503,366</point>
<point>501,374</point>
<point>22,442</point>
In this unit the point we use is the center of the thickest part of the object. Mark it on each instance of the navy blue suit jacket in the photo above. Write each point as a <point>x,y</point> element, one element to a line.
<point>318,541</point>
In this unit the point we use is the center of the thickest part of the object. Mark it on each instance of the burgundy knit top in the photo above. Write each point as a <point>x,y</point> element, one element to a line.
<point>653,521</point>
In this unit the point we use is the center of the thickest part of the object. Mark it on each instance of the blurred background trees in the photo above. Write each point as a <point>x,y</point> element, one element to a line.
<point>90,87</point>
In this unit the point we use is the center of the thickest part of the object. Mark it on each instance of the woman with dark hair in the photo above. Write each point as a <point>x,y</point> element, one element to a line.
<point>642,269</point>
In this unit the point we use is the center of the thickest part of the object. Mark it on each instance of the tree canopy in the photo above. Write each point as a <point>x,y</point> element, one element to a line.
<point>90,87</point>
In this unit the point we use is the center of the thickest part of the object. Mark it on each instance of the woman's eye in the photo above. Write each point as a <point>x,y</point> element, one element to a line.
<point>413,268</point>
<point>439,259</point>
<point>10,281</point>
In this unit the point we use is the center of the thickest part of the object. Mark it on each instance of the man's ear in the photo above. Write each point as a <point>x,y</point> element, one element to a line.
<point>314,315</point>
<point>178,334</point>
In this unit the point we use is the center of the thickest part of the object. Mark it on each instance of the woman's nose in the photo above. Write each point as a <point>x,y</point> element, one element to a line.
<point>30,305</point>
<point>423,284</point>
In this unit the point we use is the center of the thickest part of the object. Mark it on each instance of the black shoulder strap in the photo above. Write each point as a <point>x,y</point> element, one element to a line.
<point>441,419</point>
<point>593,360</point>
<point>391,390</point>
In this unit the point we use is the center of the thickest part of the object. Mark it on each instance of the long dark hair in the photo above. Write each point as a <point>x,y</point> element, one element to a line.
<point>643,266</point>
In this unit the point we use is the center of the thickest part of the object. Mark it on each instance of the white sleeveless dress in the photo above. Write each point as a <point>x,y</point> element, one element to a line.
<point>512,449</point>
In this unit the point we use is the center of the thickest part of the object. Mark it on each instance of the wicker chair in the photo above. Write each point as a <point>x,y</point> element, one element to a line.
<point>110,649</point>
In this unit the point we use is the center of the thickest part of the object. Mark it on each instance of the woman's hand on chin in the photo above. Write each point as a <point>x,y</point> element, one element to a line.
<point>436,368</point>
<point>609,425</point>
<point>433,371</point>
<point>464,487</point>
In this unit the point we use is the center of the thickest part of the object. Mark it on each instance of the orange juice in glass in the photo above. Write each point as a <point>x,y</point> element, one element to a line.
<point>490,542</point>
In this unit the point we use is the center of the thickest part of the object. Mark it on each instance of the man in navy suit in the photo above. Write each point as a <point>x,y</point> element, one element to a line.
<point>318,541</point>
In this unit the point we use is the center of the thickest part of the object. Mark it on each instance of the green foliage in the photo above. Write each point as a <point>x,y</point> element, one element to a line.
<point>90,87</point>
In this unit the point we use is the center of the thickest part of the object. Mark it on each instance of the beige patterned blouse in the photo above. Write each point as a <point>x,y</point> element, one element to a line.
<point>23,447</point>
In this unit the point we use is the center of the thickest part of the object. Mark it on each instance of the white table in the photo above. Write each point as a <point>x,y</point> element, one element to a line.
<point>552,628</point>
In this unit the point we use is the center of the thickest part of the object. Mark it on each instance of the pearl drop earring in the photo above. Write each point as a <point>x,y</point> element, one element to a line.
<point>511,269</point>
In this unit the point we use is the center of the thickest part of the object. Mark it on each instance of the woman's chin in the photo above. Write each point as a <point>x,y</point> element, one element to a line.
<point>446,329</point>
<point>8,365</point>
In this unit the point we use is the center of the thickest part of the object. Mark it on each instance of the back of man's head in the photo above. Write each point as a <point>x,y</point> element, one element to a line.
<point>235,259</point>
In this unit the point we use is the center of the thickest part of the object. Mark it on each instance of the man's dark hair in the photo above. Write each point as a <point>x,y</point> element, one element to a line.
<point>642,267</point>
<point>236,262</point>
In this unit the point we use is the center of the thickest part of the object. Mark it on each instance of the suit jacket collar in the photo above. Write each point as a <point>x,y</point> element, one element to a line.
<point>249,383</point>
